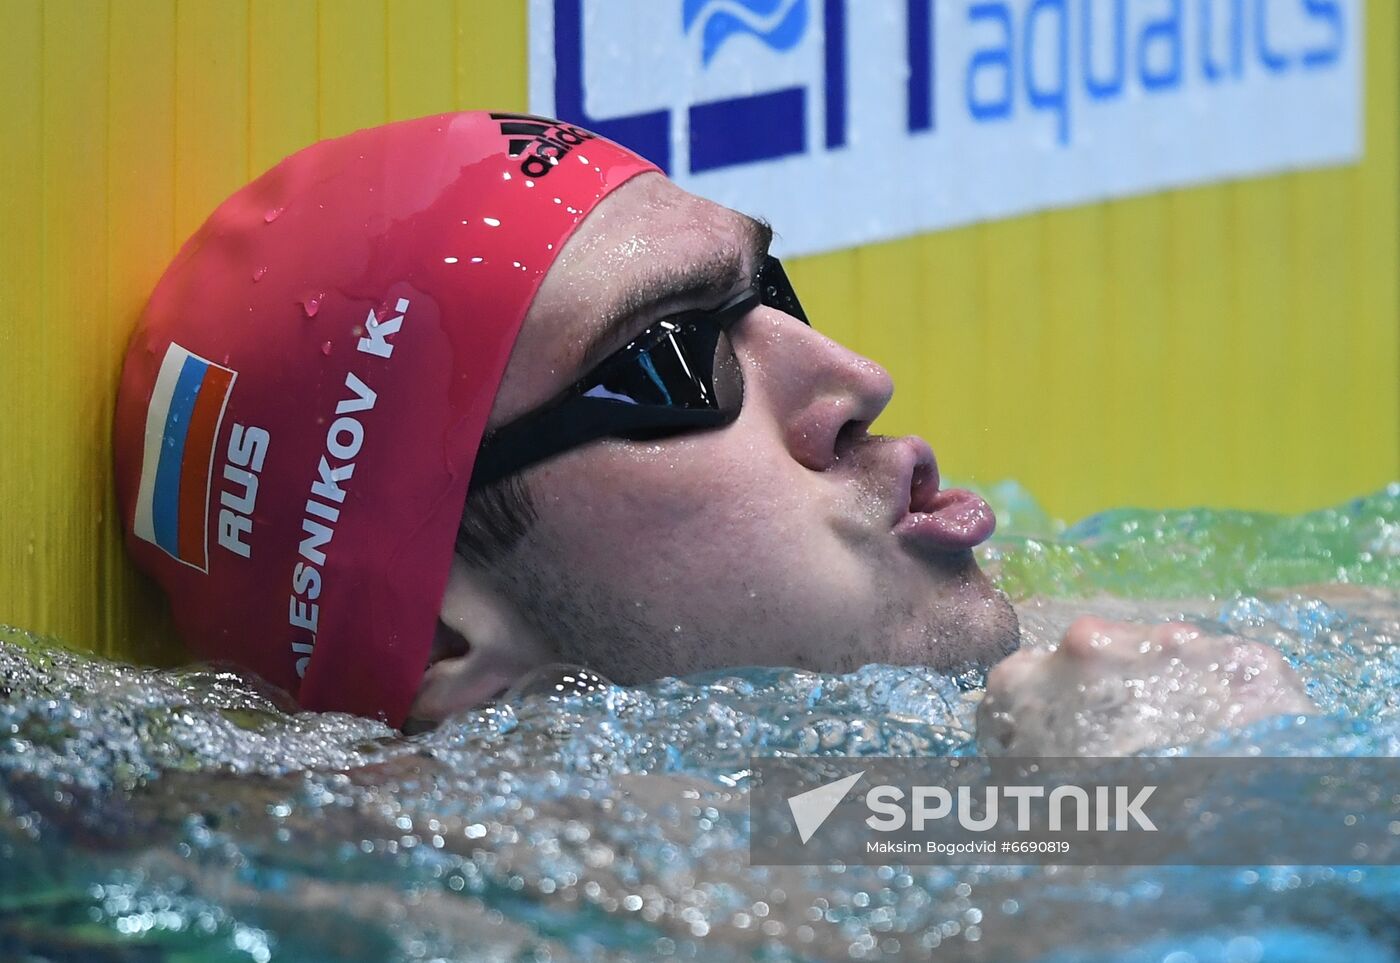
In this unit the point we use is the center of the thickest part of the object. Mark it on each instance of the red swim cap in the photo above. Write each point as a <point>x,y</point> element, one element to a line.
<point>303,398</point>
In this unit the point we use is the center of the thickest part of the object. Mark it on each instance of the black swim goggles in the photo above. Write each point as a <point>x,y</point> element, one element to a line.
<point>678,375</point>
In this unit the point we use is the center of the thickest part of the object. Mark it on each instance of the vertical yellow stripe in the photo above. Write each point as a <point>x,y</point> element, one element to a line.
<point>490,67</point>
<point>351,66</point>
<point>1201,460</point>
<point>952,344</point>
<point>1320,312</point>
<point>211,107</point>
<point>282,72</point>
<point>21,304</point>
<point>67,349</point>
<point>1066,399</point>
<point>1139,308</point>
<point>140,241</point>
<point>420,70</point>
<point>1010,273</point>
<point>1369,415</point>
<point>1261,386</point>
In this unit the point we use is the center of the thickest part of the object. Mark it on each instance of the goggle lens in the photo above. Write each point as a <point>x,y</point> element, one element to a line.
<point>682,365</point>
<point>680,375</point>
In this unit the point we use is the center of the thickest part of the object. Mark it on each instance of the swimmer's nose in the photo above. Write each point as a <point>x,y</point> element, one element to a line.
<point>823,393</point>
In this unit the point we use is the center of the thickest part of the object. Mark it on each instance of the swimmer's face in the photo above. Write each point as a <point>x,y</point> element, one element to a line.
<point>766,542</point>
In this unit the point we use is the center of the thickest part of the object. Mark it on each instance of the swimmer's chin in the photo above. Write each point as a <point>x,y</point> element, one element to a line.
<point>984,628</point>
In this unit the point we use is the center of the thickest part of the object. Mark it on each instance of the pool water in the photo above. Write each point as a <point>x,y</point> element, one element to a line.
<point>184,815</point>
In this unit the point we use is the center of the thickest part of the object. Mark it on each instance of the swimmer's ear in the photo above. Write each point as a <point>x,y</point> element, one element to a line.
<point>456,683</point>
<point>480,649</point>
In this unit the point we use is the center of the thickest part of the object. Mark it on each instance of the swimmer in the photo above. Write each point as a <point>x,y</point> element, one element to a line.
<point>429,406</point>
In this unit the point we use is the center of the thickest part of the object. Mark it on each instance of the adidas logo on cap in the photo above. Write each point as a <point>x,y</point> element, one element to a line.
<point>543,142</point>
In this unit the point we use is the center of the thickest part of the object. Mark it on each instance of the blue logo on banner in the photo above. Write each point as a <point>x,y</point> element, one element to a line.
<point>1020,64</point>
<point>779,24</point>
<point>722,133</point>
<point>853,122</point>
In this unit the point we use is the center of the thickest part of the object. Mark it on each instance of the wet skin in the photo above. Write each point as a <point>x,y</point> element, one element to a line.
<point>767,542</point>
<point>1111,688</point>
<point>785,538</point>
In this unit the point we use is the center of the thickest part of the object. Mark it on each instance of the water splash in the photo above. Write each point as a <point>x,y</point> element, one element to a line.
<point>187,813</point>
<point>1138,553</point>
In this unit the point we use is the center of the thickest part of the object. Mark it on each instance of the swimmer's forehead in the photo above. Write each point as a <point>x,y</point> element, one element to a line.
<point>648,249</point>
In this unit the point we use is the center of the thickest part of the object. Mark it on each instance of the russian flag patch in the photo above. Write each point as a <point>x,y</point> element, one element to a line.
<point>182,423</point>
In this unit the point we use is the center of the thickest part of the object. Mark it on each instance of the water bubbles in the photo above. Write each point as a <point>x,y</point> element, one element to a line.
<point>311,304</point>
<point>253,942</point>
<point>614,814</point>
<point>272,214</point>
<point>1136,553</point>
<point>259,273</point>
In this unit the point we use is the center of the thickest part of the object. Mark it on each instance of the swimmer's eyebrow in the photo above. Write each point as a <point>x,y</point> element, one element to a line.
<point>691,285</point>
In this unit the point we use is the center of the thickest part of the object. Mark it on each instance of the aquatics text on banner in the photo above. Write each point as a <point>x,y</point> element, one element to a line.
<point>847,122</point>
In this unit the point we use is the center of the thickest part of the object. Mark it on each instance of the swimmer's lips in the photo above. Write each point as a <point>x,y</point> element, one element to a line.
<point>946,521</point>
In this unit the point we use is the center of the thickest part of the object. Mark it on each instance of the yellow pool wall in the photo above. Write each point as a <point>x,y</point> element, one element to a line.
<point>1231,345</point>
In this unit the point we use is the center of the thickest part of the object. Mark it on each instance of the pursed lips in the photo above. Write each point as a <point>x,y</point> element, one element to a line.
<point>945,520</point>
<point>918,477</point>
